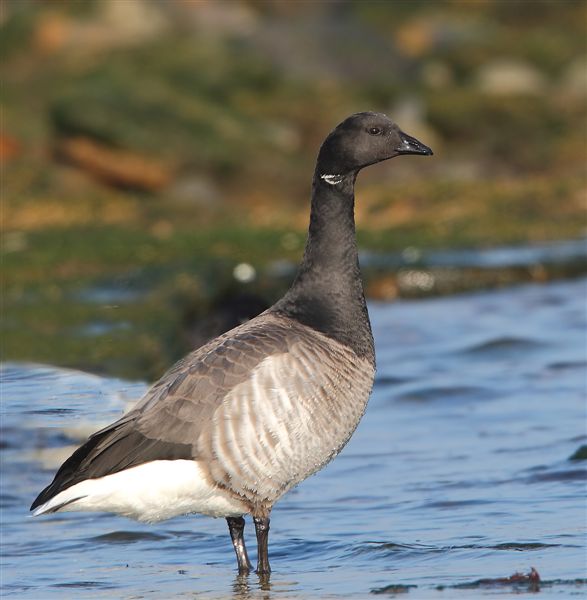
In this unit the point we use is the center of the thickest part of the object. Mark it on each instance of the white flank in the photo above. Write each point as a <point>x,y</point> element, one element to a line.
<point>151,492</point>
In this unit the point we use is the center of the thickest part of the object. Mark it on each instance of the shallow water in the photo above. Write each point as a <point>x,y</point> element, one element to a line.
<point>459,472</point>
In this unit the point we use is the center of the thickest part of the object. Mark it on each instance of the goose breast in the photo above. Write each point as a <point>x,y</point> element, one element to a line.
<point>259,430</point>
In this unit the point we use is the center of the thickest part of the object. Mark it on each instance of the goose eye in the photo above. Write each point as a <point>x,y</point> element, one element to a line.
<point>374,131</point>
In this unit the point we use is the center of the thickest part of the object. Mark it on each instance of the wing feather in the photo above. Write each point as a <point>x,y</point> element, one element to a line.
<point>168,421</point>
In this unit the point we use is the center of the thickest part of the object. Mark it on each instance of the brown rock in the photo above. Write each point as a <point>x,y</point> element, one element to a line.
<point>9,147</point>
<point>120,168</point>
<point>383,288</point>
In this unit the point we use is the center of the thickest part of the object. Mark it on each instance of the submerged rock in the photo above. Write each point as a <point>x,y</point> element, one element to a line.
<point>580,453</point>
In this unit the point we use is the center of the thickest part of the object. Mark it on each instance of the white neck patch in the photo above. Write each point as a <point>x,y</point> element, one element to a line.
<point>332,179</point>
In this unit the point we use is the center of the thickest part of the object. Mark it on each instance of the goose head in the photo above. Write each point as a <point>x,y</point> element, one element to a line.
<point>361,140</point>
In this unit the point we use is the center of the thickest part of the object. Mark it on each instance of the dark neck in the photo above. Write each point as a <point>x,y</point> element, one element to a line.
<point>327,293</point>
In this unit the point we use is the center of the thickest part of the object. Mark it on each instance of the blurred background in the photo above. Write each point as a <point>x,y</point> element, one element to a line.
<point>157,159</point>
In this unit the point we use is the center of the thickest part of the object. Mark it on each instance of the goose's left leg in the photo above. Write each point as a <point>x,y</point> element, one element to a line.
<point>262,531</point>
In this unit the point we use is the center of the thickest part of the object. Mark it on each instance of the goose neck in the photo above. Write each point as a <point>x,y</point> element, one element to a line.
<point>327,293</point>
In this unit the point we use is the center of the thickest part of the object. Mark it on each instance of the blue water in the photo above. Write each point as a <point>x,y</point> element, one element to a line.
<point>459,471</point>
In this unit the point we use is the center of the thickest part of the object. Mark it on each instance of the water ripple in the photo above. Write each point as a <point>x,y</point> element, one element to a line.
<point>449,393</point>
<point>126,537</point>
<point>504,344</point>
<point>562,475</point>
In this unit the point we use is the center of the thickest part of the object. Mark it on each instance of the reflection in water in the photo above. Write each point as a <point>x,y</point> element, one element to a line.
<point>245,587</point>
<point>459,473</point>
<point>241,587</point>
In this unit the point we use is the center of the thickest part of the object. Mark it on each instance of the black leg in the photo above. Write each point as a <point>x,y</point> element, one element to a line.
<point>236,526</point>
<point>262,531</point>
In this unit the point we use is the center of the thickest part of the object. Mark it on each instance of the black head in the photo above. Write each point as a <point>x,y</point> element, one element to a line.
<point>365,139</point>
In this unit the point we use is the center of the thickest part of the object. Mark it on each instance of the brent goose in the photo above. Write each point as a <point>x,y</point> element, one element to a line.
<point>241,420</point>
